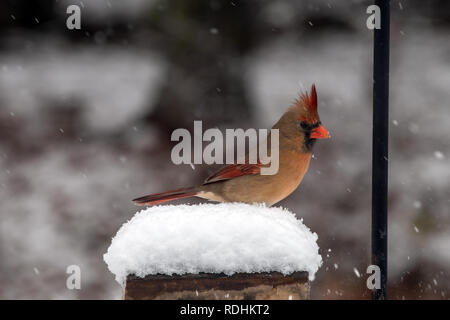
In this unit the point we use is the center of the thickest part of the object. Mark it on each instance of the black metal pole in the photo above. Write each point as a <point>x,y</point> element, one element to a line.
<point>380,147</point>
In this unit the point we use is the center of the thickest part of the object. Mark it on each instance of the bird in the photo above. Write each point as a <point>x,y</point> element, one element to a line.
<point>299,128</point>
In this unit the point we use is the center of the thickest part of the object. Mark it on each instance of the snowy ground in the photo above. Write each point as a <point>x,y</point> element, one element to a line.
<point>66,185</point>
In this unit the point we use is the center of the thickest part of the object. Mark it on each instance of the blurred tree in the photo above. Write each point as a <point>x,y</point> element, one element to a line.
<point>26,13</point>
<point>204,42</point>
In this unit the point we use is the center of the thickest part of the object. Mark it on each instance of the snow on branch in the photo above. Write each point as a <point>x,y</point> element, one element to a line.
<point>212,238</point>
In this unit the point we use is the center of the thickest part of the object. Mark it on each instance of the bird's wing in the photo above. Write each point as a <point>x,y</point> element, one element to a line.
<point>234,170</point>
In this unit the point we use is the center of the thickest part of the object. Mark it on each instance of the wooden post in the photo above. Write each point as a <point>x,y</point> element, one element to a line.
<point>207,286</point>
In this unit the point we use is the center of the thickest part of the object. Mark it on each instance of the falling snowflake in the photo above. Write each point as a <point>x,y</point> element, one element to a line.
<point>438,155</point>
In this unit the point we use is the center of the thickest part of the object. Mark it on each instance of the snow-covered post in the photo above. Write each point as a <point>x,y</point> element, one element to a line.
<point>214,251</point>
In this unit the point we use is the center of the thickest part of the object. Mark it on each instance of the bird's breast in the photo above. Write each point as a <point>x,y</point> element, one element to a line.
<point>293,168</point>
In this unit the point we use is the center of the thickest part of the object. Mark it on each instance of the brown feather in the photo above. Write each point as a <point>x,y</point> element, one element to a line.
<point>158,198</point>
<point>233,171</point>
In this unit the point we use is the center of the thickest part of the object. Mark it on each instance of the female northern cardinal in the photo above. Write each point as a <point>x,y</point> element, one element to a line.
<point>298,129</point>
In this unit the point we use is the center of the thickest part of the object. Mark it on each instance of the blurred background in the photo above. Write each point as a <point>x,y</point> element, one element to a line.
<point>86,117</point>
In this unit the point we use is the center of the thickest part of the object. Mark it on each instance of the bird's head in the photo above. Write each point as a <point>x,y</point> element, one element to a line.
<point>302,122</point>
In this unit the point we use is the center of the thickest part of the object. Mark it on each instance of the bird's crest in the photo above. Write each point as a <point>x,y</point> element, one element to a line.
<point>307,103</point>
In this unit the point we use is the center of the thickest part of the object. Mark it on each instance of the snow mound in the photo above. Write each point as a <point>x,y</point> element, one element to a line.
<point>212,238</point>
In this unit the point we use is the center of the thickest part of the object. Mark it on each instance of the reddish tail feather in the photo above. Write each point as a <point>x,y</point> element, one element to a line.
<point>158,198</point>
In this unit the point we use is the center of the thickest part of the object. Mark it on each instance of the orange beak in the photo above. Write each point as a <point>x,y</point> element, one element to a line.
<point>319,133</point>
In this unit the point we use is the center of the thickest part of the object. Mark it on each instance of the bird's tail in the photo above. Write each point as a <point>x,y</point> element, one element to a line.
<point>158,198</point>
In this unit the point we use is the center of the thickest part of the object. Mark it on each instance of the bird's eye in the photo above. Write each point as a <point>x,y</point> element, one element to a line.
<point>304,125</point>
